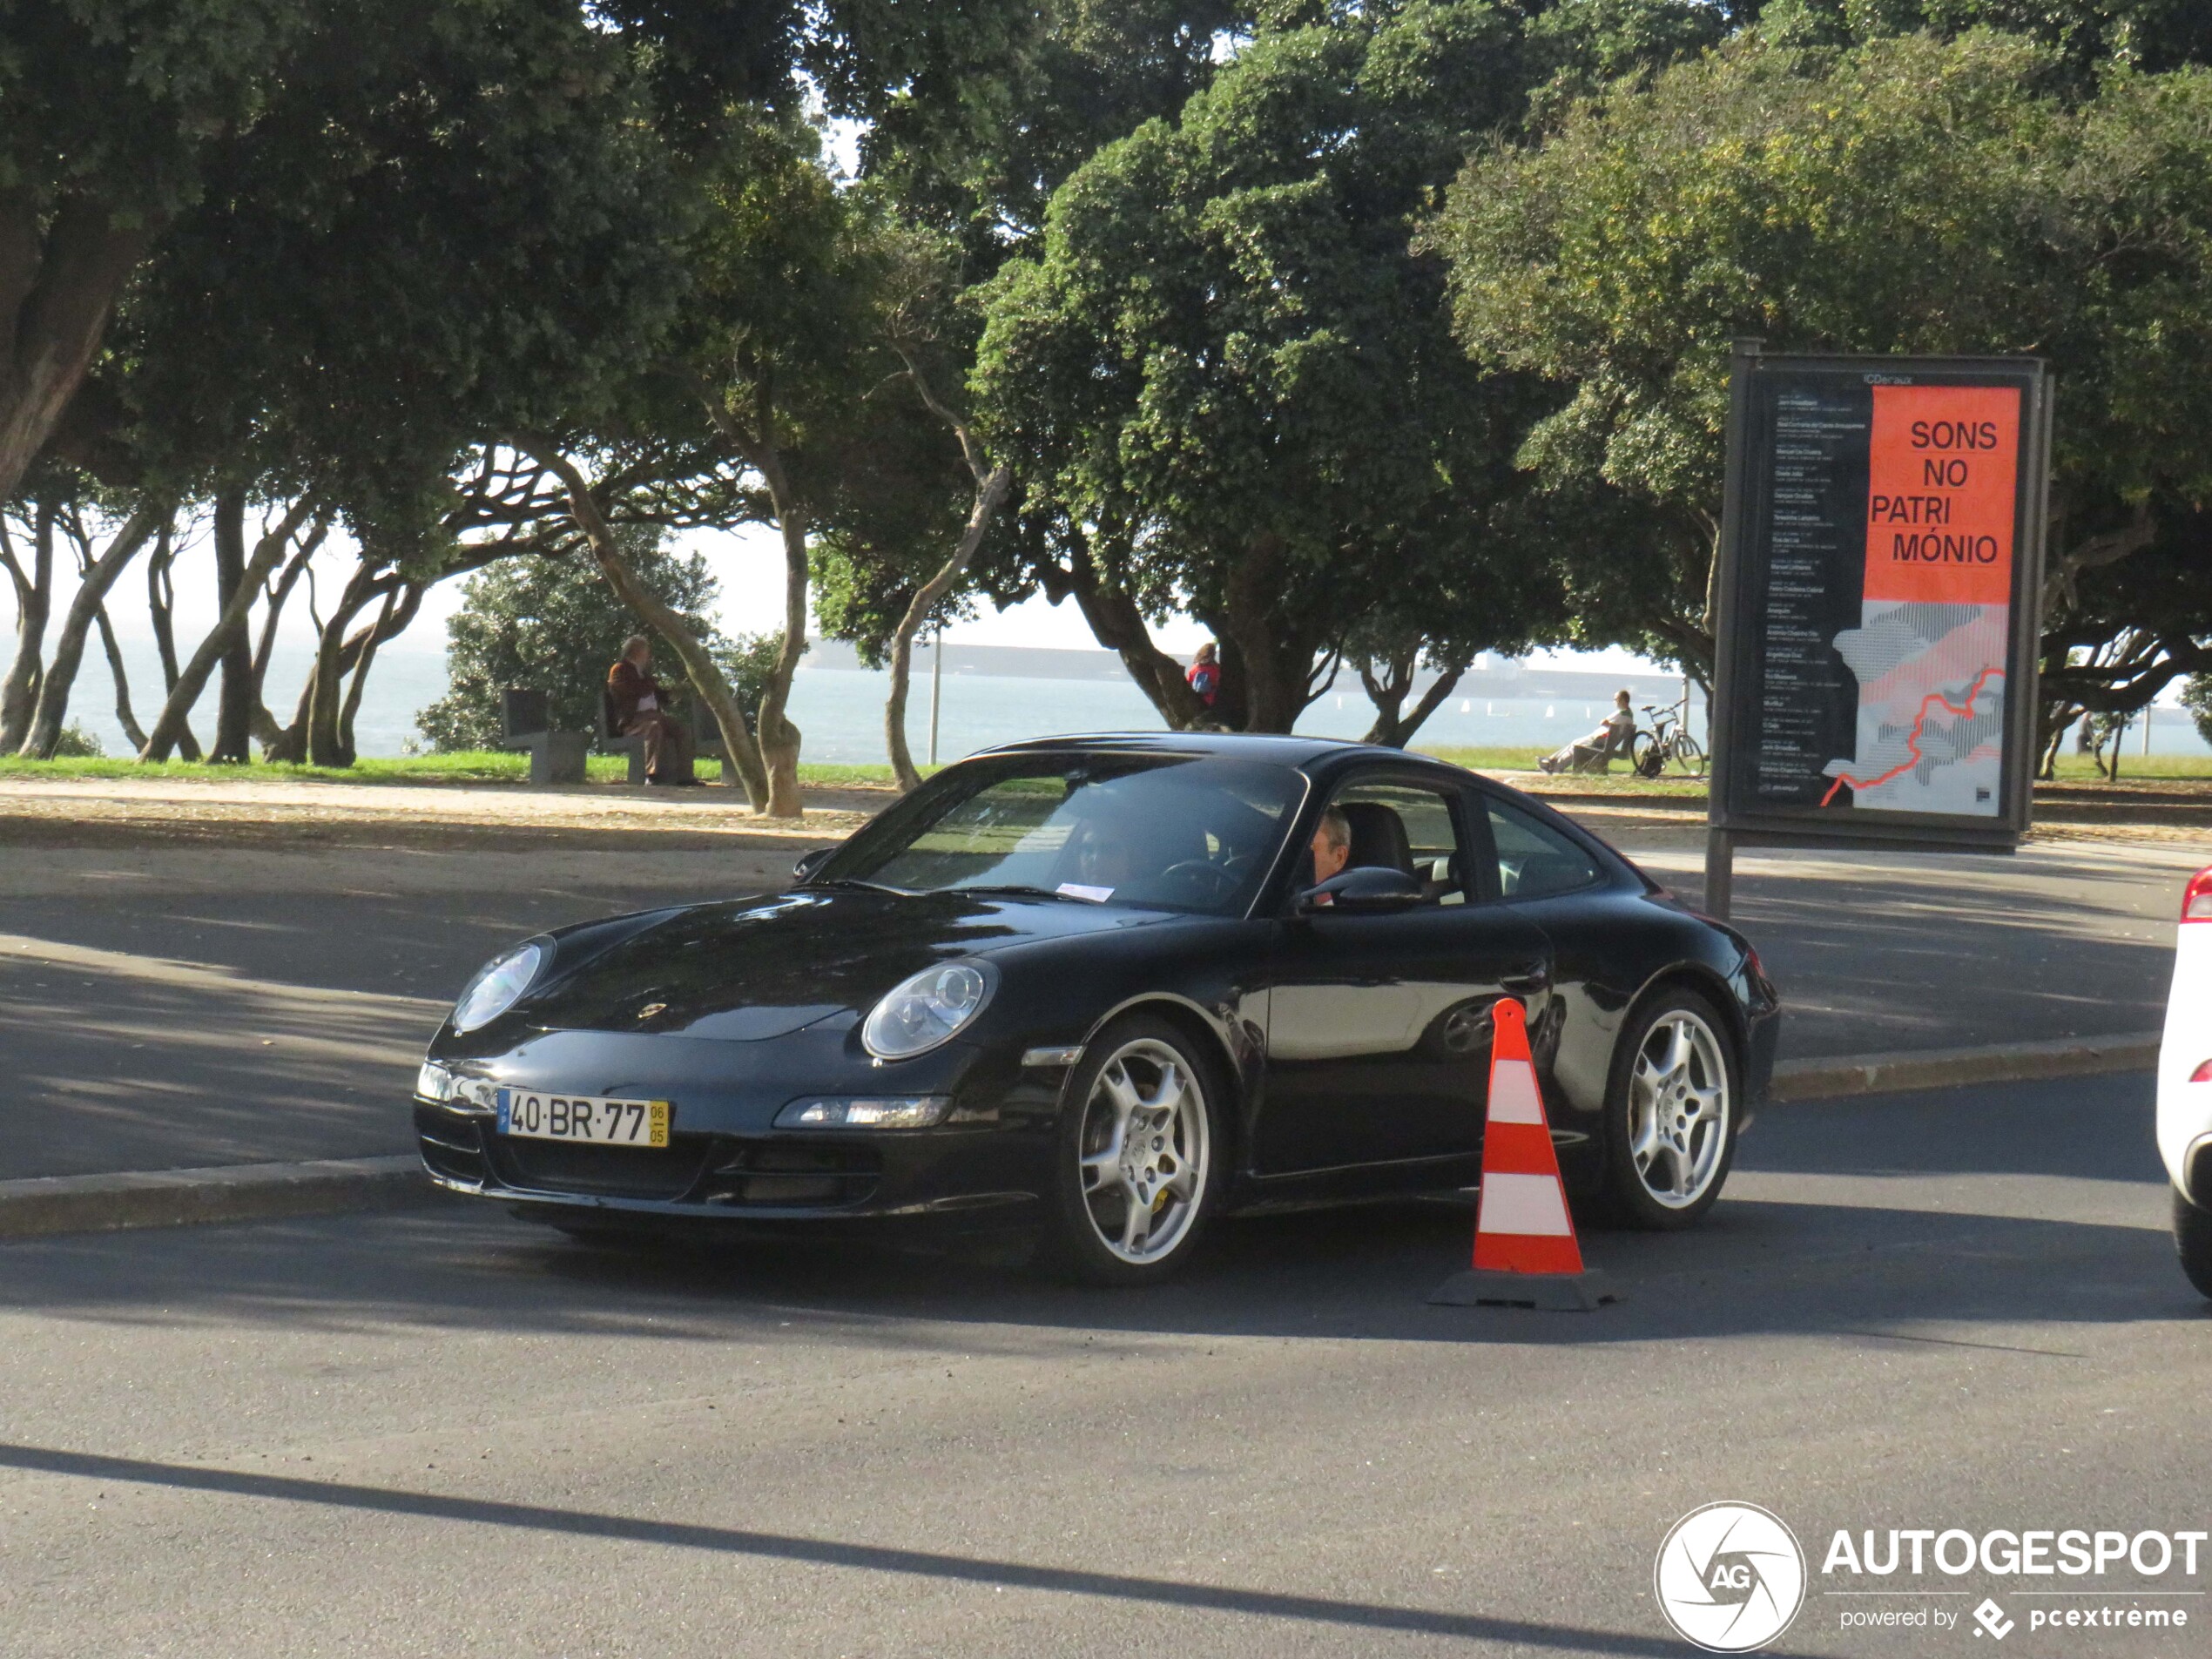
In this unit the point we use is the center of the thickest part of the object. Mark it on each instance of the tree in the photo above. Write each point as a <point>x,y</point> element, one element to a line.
<point>1909,195</point>
<point>551,623</point>
<point>2196,698</point>
<point>1227,385</point>
<point>777,352</point>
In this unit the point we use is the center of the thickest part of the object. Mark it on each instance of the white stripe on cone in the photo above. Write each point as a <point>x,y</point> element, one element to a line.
<point>1513,1092</point>
<point>1523,1204</point>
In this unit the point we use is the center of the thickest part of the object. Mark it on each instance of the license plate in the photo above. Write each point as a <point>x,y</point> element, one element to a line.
<point>582,1118</point>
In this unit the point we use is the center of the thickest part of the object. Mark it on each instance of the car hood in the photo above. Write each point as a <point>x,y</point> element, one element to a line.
<point>754,968</point>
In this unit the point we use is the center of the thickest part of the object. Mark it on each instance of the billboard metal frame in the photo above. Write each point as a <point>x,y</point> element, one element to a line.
<point>1738,634</point>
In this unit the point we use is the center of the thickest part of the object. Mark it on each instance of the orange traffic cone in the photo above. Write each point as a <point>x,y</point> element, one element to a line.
<point>1525,1253</point>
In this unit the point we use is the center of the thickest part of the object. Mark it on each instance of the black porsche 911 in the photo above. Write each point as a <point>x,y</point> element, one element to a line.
<point>1091,988</point>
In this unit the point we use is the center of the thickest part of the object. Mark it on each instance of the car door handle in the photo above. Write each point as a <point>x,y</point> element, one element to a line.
<point>1528,980</point>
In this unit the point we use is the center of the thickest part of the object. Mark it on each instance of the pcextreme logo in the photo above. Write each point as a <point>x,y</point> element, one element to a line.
<point>1729,1577</point>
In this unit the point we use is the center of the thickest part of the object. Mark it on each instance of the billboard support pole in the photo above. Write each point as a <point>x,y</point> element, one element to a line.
<point>1720,872</point>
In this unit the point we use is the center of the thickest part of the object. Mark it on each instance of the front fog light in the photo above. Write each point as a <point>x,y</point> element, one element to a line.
<point>916,1111</point>
<point>434,1081</point>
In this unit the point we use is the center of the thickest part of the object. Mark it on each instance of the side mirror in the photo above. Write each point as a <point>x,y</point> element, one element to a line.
<point>811,862</point>
<point>1367,889</point>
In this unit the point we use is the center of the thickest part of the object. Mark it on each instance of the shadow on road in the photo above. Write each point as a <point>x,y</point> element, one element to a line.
<point>913,1563</point>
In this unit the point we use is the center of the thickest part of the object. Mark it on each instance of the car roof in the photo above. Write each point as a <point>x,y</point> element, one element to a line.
<point>1281,749</point>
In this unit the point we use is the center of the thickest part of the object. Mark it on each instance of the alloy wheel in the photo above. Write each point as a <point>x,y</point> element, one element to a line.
<point>1679,1108</point>
<point>1144,1153</point>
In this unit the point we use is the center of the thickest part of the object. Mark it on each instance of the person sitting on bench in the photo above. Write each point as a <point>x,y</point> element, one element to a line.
<point>641,711</point>
<point>1596,752</point>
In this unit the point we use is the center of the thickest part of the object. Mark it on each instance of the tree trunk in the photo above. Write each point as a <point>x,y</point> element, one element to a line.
<point>706,676</point>
<point>1393,729</point>
<point>399,606</point>
<point>229,629</point>
<point>69,646</point>
<point>1275,662</point>
<point>266,731</point>
<point>132,731</point>
<point>34,602</point>
<point>59,277</point>
<point>234,695</point>
<point>161,609</point>
<point>347,751</point>
<point>779,738</point>
<point>1117,623</point>
<point>335,655</point>
<point>991,483</point>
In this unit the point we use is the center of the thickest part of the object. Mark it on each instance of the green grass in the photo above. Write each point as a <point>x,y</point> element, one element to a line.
<point>2074,768</point>
<point>480,766</point>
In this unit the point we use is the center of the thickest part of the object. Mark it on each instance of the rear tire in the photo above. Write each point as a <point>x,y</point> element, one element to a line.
<point>1140,1156</point>
<point>1670,1114</point>
<point>2193,1243</point>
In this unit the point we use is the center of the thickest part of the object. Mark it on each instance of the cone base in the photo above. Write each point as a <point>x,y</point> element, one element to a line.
<point>1582,1292</point>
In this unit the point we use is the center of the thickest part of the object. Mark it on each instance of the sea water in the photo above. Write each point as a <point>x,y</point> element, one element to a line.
<point>840,710</point>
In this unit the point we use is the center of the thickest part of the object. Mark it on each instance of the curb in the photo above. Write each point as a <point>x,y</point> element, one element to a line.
<point>1883,1074</point>
<point>66,1203</point>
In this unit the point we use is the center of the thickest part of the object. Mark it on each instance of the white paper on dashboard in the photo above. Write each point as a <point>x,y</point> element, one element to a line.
<point>1076,890</point>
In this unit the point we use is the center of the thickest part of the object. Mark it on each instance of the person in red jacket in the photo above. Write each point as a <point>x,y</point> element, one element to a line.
<point>1204,673</point>
<point>640,710</point>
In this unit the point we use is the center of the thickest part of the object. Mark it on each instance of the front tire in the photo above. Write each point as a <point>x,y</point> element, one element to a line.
<point>1644,757</point>
<point>1670,1114</point>
<point>1138,1159</point>
<point>2193,1243</point>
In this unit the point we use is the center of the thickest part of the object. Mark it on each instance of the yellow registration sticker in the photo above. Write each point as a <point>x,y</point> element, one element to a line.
<point>593,1119</point>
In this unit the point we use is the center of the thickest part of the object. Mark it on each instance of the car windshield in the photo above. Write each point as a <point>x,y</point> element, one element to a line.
<point>1189,832</point>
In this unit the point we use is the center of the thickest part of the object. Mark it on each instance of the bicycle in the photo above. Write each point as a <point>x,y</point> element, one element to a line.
<point>1669,739</point>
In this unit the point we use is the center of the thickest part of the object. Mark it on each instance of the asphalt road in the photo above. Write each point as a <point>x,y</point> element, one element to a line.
<point>173,1006</point>
<point>442,1433</point>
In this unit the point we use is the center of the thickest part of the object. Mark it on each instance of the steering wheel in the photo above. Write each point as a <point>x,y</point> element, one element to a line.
<point>1217,883</point>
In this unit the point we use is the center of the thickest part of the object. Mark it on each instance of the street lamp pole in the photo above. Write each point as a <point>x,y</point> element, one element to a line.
<point>936,690</point>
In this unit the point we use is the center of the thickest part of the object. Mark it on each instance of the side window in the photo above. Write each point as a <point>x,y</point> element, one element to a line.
<point>1404,826</point>
<point>1534,861</point>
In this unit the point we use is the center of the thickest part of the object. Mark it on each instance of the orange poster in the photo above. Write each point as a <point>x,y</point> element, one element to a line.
<point>1940,489</point>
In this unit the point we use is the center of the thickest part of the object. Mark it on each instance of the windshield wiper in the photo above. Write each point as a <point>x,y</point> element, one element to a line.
<point>1024,891</point>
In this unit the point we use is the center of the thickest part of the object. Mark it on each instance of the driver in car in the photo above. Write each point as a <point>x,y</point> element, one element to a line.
<point>1331,847</point>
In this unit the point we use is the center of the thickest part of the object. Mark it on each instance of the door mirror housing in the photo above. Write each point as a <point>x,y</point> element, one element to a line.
<point>811,862</point>
<point>1368,889</point>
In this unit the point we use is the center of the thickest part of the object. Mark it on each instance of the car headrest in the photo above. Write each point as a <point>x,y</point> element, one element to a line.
<point>1379,839</point>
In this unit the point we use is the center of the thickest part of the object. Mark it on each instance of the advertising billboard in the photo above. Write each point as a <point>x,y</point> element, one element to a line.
<point>1880,561</point>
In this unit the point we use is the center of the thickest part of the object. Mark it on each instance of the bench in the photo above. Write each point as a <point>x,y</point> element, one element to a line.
<point>706,744</point>
<point>526,724</point>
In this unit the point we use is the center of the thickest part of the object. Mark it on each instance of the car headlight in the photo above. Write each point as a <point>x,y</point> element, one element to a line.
<point>919,1111</point>
<point>496,989</point>
<point>926,1010</point>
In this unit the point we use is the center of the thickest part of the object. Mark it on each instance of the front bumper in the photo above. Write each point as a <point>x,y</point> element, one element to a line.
<point>982,1175</point>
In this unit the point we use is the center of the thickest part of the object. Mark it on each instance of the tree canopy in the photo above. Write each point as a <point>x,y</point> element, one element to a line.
<point>1907,194</point>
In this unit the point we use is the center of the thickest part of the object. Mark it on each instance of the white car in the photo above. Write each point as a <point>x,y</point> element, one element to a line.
<point>2185,1084</point>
